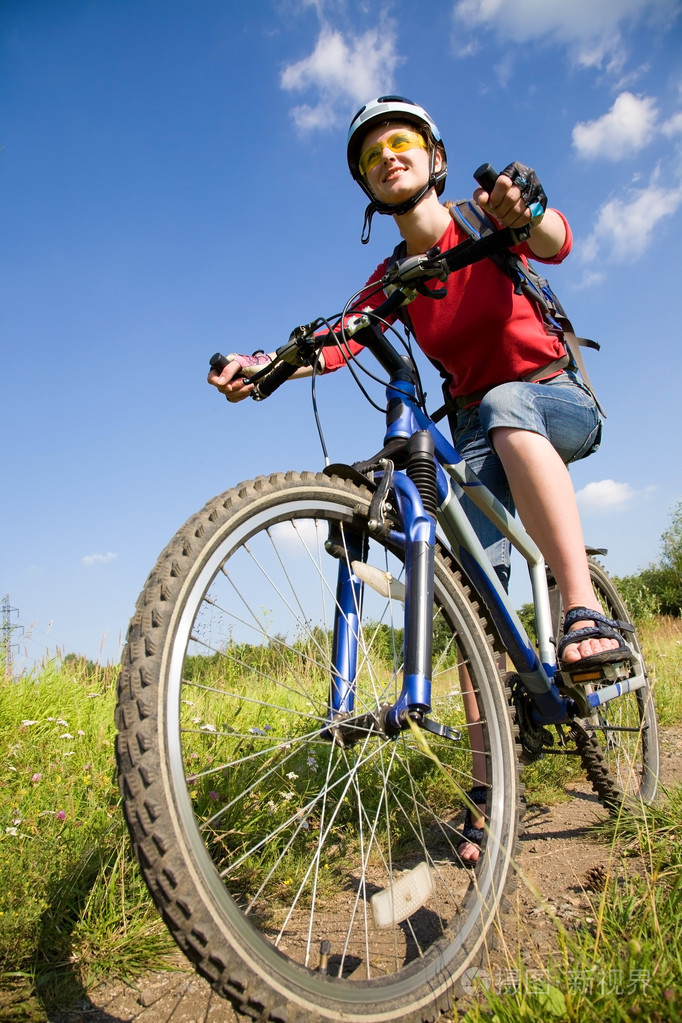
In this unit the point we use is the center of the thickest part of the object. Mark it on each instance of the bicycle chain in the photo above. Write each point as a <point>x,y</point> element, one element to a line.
<point>594,765</point>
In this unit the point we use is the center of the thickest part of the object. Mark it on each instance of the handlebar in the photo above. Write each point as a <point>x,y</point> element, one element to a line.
<point>486,177</point>
<point>404,279</point>
<point>266,381</point>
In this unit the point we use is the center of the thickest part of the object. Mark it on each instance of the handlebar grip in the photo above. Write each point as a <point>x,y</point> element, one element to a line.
<point>486,177</point>
<point>274,379</point>
<point>218,362</point>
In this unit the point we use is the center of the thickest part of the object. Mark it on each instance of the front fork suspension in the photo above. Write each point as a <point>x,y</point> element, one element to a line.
<point>414,493</point>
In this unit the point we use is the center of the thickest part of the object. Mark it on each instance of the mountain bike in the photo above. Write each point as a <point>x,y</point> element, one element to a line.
<point>319,667</point>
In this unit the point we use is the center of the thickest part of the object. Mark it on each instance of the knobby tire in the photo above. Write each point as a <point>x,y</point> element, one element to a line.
<point>261,841</point>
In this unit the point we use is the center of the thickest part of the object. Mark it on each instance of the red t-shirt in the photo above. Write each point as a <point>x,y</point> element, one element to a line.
<point>481,333</point>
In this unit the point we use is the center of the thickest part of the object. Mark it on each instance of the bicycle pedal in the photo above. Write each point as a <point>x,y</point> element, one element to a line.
<point>600,673</point>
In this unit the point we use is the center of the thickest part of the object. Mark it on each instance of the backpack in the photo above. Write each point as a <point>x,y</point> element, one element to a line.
<point>527,281</point>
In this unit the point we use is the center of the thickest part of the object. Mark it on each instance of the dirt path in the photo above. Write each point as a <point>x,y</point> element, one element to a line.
<point>559,847</point>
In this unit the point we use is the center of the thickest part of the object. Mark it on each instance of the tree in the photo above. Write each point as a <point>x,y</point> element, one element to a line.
<point>658,589</point>
<point>671,543</point>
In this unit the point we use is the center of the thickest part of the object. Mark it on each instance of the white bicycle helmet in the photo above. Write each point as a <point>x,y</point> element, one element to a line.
<point>386,109</point>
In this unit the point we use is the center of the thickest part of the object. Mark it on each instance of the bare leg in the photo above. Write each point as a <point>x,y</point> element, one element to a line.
<point>468,851</point>
<point>544,496</point>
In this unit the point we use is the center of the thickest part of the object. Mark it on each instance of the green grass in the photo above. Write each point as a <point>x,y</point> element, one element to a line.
<point>662,645</point>
<point>73,908</point>
<point>625,963</point>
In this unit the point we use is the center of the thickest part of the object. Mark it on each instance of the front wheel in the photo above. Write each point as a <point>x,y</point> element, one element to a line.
<point>309,879</point>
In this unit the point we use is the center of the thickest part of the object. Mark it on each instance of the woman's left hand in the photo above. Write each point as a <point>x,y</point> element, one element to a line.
<point>518,200</point>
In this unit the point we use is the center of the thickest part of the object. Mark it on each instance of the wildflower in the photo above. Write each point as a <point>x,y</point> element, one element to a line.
<point>81,732</point>
<point>66,735</point>
<point>87,780</point>
<point>292,775</point>
<point>312,762</point>
<point>288,796</point>
<point>208,728</point>
<point>71,752</point>
<point>12,831</point>
<point>257,731</point>
<point>272,806</point>
<point>61,815</point>
<point>61,721</point>
<point>91,696</point>
<point>27,723</point>
<point>213,795</point>
<point>37,777</point>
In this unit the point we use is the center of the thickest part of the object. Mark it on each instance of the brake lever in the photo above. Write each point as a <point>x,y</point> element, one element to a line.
<point>298,350</point>
<point>416,268</point>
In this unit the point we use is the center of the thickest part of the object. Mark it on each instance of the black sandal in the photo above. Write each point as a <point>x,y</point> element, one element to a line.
<point>479,796</point>
<point>603,628</point>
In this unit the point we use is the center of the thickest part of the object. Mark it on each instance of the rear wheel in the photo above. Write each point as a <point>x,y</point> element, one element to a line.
<point>619,744</point>
<point>308,879</point>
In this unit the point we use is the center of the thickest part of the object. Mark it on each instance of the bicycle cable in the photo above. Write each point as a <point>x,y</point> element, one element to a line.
<point>337,333</point>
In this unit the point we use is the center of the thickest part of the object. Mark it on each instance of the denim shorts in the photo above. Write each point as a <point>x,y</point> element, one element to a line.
<point>561,409</point>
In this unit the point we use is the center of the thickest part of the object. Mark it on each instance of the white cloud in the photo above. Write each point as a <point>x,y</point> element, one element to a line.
<point>97,559</point>
<point>340,70</point>
<point>673,126</point>
<point>294,538</point>
<point>590,279</point>
<point>625,226</point>
<point>628,126</point>
<point>606,495</point>
<point>590,29</point>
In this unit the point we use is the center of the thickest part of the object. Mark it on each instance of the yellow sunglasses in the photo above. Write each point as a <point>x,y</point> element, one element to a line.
<point>399,142</point>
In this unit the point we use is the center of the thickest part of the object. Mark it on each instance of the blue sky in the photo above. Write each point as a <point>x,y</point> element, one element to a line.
<point>173,183</point>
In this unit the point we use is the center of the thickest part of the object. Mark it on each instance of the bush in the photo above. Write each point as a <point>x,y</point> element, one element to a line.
<point>642,603</point>
<point>658,589</point>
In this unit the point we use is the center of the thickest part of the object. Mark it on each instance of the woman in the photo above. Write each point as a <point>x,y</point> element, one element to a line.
<point>517,435</point>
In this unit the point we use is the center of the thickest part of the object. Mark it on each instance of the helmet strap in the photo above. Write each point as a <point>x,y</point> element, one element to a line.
<point>367,222</point>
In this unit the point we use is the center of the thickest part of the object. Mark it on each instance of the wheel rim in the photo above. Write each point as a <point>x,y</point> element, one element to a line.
<point>292,835</point>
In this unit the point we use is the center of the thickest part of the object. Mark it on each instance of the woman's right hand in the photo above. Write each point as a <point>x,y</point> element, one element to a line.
<point>232,380</point>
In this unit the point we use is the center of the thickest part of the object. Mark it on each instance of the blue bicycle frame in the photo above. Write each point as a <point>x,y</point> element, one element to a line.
<point>405,418</point>
<point>417,540</point>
